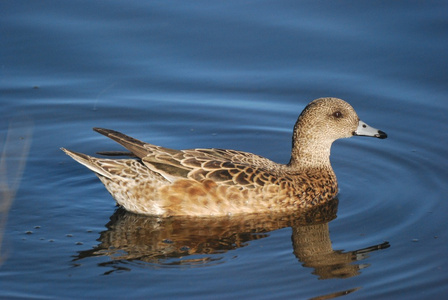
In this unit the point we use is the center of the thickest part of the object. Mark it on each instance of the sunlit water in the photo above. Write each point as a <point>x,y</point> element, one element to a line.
<point>230,75</point>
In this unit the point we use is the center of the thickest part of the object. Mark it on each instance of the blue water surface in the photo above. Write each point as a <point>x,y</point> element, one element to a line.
<point>227,74</point>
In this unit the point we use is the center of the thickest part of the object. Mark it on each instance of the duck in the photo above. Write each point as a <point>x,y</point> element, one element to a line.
<point>159,181</point>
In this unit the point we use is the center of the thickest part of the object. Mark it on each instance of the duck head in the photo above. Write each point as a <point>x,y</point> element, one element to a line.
<point>323,121</point>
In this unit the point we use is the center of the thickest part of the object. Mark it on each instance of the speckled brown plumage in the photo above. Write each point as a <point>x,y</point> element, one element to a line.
<point>200,182</point>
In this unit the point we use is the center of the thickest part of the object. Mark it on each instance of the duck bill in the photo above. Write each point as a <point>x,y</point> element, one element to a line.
<point>366,130</point>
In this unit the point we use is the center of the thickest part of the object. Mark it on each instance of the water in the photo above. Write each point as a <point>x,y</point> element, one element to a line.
<point>232,75</point>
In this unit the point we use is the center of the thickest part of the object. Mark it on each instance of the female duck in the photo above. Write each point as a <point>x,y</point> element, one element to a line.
<point>204,182</point>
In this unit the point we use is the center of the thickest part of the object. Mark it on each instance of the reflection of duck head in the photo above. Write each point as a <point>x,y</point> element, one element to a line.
<point>194,241</point>
<point>312,246</point>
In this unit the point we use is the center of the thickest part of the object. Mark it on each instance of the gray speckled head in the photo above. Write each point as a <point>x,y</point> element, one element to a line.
<point>323,121</point>
<point>328,119</point>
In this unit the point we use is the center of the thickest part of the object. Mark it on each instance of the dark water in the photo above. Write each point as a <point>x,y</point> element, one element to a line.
<point>227,74</point>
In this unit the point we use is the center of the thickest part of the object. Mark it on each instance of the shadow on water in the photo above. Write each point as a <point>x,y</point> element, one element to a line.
<point>198,241</point>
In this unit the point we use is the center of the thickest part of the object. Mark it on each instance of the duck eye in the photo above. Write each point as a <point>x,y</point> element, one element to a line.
<point>337,114</point>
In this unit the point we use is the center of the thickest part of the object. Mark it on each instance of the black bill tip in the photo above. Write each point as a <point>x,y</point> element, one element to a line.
<point>381,134</point>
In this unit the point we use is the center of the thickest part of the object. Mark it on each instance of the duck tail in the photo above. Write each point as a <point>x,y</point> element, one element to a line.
<point>133,145</point>
<point>88,161</point>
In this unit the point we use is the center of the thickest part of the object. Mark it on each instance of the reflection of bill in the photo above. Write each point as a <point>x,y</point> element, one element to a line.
<point>194,241</point>
<point>14,154</point>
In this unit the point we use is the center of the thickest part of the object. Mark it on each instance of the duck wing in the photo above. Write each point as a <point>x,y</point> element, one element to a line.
<point>200,164</point>
<point>223,166</point>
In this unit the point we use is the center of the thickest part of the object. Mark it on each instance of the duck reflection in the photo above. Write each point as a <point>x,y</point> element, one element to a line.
<point>196,241</point>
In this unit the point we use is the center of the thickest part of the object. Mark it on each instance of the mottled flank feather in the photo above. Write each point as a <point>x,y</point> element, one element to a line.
<point>200,182</point>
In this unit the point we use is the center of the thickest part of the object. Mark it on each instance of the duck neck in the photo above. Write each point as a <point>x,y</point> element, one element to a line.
<point>315,153</point>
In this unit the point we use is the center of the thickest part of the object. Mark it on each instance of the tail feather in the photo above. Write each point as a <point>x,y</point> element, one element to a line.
<point>137,147</point>
<point>88,161</point>
<point>116,153</point>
